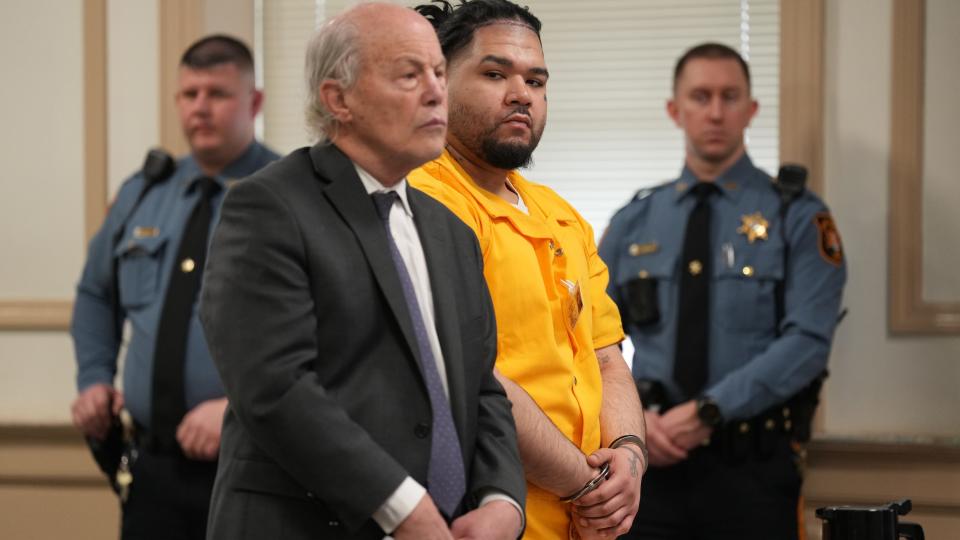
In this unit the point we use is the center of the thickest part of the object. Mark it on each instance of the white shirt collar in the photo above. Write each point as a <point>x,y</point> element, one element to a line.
<point>372,185</point>
<point>521,206</point>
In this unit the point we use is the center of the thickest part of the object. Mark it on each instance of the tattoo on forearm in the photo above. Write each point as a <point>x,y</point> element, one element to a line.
<point>634,459</point>
<point>603,357</point>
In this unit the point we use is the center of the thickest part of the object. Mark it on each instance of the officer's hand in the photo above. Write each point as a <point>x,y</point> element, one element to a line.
<point>94,408</point>
<point>610,508</point>
<point>425,522</point>
<point>663,451</point>
<point>496,520</point>
<point>684,427</point>
<point>199,431</point>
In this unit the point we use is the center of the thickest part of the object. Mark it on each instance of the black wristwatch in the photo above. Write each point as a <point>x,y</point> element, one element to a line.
<point>709,412</point>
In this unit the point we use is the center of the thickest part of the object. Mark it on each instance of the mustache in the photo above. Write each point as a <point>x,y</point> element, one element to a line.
<point>521,110</point>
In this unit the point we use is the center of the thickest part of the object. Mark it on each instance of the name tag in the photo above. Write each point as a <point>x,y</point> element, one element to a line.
<point>145,232</point>
<point>643,249</point>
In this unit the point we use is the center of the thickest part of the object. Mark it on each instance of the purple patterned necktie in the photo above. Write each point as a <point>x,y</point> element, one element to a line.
<point>445,475</point>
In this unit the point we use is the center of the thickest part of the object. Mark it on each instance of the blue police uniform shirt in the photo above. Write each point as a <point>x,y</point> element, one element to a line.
<point>145,255</point>
<point>751,366</point>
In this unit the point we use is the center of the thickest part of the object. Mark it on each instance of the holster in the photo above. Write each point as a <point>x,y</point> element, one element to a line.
<point>804,405</point>
<point>106,453</point>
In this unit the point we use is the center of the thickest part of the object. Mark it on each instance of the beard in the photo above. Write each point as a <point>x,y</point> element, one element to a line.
<point>471,129</point>
<point>505,155</point>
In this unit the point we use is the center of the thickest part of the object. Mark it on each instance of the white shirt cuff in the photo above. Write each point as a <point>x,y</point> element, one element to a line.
<point>399,505</point>
<point>491,495</point>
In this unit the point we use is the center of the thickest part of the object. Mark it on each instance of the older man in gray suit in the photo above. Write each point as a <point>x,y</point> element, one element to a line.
<point>348,316</point>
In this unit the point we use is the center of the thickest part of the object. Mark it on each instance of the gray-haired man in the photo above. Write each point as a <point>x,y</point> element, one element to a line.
<point>350,321</point>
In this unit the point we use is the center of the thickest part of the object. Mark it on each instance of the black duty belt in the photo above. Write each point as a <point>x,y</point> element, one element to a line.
<point>758,437</point>
<point>147,440</point>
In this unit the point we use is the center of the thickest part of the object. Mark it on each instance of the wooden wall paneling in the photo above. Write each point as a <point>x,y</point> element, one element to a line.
<point>802,42</point>
<point>51,488</point>
<point>35,314</point>
<point>95,114</point>
<point>801,87</point>
<point>181,23</point>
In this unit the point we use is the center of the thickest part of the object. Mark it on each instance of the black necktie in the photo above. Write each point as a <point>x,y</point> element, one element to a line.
<point>446,480</point>
<point>690,366</point>
<point>169,402</point>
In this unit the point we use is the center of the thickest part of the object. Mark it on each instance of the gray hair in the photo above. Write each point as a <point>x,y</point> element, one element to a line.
<point>332,54</point>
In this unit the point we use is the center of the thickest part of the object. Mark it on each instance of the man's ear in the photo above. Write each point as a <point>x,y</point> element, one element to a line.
<point>673,111</point>
<point>256,103</point>
<point>754,108</point>
<point>334,99</point>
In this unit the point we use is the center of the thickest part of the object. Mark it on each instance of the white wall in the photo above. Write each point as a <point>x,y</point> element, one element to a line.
<point>41,147</point>
<point>879,383</point>
<point>133,83</point>
<point>41,195</point>
<point>234,17</point>
<point>36,377</point>
<point>286,28</point>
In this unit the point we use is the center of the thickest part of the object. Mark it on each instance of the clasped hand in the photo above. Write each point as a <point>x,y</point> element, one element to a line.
<point>671,435</point>
<point>496,520</point>
<point>608,511</point>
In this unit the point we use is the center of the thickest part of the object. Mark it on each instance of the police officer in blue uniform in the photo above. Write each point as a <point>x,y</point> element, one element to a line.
<point>730,286</point>
<point>144,267</point>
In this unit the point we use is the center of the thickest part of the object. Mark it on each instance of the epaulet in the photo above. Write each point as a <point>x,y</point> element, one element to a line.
<point>643,193</point>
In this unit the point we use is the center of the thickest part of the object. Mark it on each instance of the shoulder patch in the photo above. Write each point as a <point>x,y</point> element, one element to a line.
<point>828,239</point>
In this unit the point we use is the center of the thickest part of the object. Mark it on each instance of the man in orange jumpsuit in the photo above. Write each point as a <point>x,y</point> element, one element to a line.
<point>558,331</point>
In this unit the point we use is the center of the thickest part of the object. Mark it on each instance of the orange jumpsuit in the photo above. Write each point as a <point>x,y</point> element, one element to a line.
<point>548,287</point>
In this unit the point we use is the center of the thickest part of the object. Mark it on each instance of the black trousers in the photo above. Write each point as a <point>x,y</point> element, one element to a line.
<point>169,498</point>
<point>708,497</point>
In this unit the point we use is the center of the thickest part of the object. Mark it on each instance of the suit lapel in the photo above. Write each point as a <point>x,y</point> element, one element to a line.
<point>347,195</point>
<point>437,250</point>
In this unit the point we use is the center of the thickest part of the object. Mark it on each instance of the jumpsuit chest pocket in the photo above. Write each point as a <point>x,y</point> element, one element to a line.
<point>644,286</point>
<point>138,270</point>
<point>745,292</point>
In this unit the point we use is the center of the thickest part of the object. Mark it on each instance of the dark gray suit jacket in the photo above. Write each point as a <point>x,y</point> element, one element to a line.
<point>307,324</point>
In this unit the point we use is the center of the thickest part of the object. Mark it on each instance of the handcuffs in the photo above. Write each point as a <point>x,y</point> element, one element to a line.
<point>604,473</point>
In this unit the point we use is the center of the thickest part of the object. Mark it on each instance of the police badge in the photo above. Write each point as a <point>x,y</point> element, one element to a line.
<point>754,226</point>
